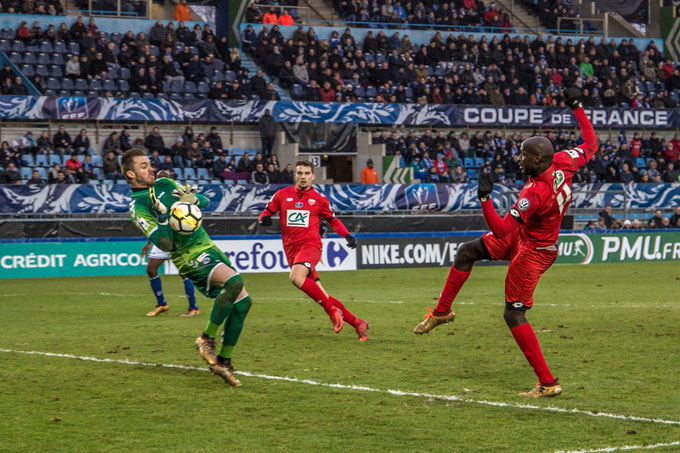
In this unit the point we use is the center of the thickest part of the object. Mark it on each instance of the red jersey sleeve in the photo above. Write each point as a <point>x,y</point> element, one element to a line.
<point>273,206</point>
<point>328,214</point>
<point>529,204</point>
<point>571,159</point>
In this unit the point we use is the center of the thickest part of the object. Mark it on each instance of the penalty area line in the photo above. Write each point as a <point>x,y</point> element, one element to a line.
<point>363,388</point>
<point>624,448</point>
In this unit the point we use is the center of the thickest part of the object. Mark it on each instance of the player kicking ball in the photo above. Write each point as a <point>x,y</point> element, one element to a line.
<point>195,255</point>
<point>526,236</point>
<point>301,208</point>
<point>156,258</point>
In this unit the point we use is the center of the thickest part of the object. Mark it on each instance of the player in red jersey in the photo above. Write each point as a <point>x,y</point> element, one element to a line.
<point>527,236</point>
<point>301,209</point>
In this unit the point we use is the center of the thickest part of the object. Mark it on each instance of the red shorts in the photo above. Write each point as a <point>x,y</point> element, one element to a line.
<point>307,255</point>
<point>527,264</point>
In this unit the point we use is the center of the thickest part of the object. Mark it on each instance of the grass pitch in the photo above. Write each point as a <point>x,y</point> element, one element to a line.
<point>610,332</point>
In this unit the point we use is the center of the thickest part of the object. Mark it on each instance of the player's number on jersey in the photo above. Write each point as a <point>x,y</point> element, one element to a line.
<point>563,197</point>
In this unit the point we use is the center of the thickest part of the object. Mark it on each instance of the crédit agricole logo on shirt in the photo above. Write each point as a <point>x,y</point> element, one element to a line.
<point>297,218</point>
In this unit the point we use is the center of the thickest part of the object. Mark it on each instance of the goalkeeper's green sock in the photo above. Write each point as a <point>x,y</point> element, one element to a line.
<point>223,304</point>
<point>233,327</point>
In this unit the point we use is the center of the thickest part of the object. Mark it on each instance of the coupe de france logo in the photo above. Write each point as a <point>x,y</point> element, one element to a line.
<point>523,204</point>
<point>72,108</point>
<point>297,218</point>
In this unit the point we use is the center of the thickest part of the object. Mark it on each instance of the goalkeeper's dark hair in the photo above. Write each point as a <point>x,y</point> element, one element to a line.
<point>127,163</point>
<point>305,163</point>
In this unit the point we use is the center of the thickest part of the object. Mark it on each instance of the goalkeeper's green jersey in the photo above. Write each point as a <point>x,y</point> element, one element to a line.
<point>183,248</point>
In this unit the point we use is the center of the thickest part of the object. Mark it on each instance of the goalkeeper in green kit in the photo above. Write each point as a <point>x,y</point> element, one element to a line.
<point>195,256</point>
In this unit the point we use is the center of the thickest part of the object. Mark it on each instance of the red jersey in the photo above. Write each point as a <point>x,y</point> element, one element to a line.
<point>301,213</point>
<point>545,198</point>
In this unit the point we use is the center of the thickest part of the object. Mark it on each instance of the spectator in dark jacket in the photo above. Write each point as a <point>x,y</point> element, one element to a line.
<point>259,176</point>
<point>267,127</point>
<point>81,144</point>
<point>62,141</point>
<point>154,141</point>
<point>245,164</point>
<point>606,214</point>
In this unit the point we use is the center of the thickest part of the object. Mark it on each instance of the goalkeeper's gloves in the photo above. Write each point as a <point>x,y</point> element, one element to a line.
<point>351,241</point>
<point>572,97</point>
<point>266,220</point>
<point>187,194</point>
<point>161,210</point>
<point>485,186</point>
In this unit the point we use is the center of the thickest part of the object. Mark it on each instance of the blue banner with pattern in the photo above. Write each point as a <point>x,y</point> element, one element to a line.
<point>79,108</point>
<point>97,199</point>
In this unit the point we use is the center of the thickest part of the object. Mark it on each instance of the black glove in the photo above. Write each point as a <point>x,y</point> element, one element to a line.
<point>266,221</point>
<point>572,97</point>
<point>484,186</point>
<point>351,241</point>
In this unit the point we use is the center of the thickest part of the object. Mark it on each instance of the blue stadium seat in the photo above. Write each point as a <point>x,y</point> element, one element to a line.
<point>41,160</point>
<point>178,171</point>
<point>250,151</point>
<point>109,85</point>
<point>298,92</point>
<point>81,84</point>
<point>26,173</point>
<point>123,85</point>
<point>189,173</point>
<point>56,71</point>
<point>116,37</point>
<point>471,173</point>
<point>46,46</point>
<point>134,95</point>
<point>230,76</point>
<point>74,47</point>
<point>203,88</point>
<point>371,92</point>
<point>640,163</point>
<point>55,159</point>
<point>48,92</point>
<point>18,46</point>
<point>42,172</point>
<point>176,97</point>
<point>148,95</point>
<point>57,59</point>
<point>242,181</point>
<point>176,87</point>
<point>41,70</point>
<point>229,182</point>
<point>5,45</point>
<point>27,70</point>
<point>203,182</point>
<point>189,87</point>
<point>93,181</point>
<point>7,33</point>
<point>202,173</point>
<point>15,57</point>
<point>107,182</point>
<point>468,162</point>
<point>28,157</point>
<point>67,84</point>
<point>60,47</point>
<point>114,72</point>
<point>479,162</point>
<point>359,91</point>
<point>91,94</point>
<point>237,151</point>
<point>43,58</point>
<point>97,160</point>
<point>124,73</point>
<point>78,94</point>
<point>65,93</point>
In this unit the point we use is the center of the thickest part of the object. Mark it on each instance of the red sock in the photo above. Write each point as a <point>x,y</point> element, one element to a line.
<point>528,343</point>
<point>454,282</point>
<point>347,315</point>
<point>312,290</point>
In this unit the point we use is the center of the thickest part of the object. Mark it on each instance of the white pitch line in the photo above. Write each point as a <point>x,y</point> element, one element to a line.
<point>363,388</point>
<point>624,447</point>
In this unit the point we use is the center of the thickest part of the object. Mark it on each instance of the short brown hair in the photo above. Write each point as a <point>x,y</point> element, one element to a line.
<point>128,161</point>
<point>305,163</point>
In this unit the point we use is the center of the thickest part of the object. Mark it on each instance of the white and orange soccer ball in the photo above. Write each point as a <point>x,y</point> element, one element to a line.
<point>185,218</point>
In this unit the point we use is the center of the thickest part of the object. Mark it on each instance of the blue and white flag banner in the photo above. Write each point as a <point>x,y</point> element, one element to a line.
<point>118,109</point>
<point>251,199</point>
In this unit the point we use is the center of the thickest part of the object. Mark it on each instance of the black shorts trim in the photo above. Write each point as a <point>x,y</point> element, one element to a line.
<point>306,264</point>
<point>517,305</point>
<point>486,250</point>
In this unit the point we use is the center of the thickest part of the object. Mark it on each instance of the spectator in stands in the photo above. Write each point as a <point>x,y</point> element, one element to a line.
<point>124,140</point>
<point>194,69</point>
<point>182,12</point>
<point>665,223</point>
<point>267,127</point>
<point>457,176</point>
<point>259,176</point>
<point>215,140</point>
<point>155,81</point>
<point>11,175</point>
<point>670,175</point>
<point>18,88</point>
<point>285,18</point>
<point>273,174</point>
<point>179,152</point>
<point>287,176</point>
<point>218,91</point>
<point>74,163</point>
<point>44,144</point>
<point>88,167</point>
<point>167,164</point>
<point>219,166</point>
<point>245,165</point>
<point>253,15</point>
<point>139,82</point>
<point>195,157</point>
<point>655,220</point>
<point>35,178</point>
<point>606,214</point>
<point>110,167</point>
<point>270,17</point>
<point>154,141</point>
<point>23,33</point>
<point>81,144</point>
<point>62,141</point>
<point>157,34</point>
<point>369,175</point>
<point>52,173</point>
<point>271,94</point>
<point>235,91</point>
<point>676,217</point>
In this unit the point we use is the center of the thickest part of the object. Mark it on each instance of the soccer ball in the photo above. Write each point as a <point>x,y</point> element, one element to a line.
<point>185,218</point>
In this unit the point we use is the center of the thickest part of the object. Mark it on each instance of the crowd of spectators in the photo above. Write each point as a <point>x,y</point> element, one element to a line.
<point>117,64</point>
<point>388,67</point>
<point>452,157</point>
<point>191,156</point>
<point>50,7</point>
<point>608,221</point>
<point>423,15</point>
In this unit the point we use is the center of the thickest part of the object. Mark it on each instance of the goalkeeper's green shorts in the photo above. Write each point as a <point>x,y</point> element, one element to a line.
<point>202,268</point>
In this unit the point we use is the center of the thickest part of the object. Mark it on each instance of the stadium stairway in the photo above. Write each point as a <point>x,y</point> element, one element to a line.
<point>252,67</point>
<point>520,16</point>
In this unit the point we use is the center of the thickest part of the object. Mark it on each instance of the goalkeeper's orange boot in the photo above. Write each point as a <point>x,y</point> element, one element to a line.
<point>336,319</point>
<point>158,309</point>
<point>544,390</point>
<point>431,321</point>
<point>361,328</point>
<point>190,313</point>
<point>206,347</point>
<point>226,372</point>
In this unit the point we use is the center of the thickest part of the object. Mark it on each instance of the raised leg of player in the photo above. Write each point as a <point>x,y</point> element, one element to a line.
<point>466,256</point>
<point>299,277</point>
<point>155,280</point>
